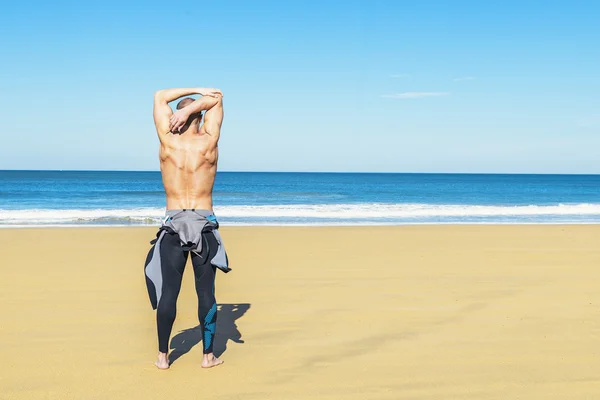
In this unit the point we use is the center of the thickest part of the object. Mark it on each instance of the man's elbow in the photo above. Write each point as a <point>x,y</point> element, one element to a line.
<point>159,95</point>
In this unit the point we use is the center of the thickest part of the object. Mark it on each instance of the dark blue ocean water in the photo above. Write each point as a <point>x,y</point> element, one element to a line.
<point>98,198</point>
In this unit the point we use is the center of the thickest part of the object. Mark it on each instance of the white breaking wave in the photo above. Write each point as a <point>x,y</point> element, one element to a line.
<point>72,216</point>
<point>377,212</point>
<point>386,211</point>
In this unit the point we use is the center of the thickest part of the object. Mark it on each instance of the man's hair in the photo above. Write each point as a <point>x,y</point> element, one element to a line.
<point>184,103</point>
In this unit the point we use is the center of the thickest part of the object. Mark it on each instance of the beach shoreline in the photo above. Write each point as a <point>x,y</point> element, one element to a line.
<point>310,225</point>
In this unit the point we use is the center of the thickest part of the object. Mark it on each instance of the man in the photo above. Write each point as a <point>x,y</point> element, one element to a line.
<point>188,163</point>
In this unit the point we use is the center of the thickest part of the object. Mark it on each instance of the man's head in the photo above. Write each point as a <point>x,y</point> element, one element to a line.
<point>186,102</point>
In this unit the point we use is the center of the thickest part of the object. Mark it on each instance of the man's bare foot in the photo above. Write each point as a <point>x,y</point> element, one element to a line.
<point>163,361</point>
<point>210,361</point>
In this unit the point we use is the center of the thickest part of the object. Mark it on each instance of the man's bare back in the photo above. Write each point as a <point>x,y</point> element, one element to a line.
<point>188,151</point>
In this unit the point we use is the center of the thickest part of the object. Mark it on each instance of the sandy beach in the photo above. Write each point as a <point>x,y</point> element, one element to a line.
<point>412,312</point>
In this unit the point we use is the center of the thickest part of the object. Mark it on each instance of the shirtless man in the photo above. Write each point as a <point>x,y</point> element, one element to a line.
<point>188,163</point>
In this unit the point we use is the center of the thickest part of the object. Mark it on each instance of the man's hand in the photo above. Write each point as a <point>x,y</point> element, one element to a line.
<point>178,120</point>
<point>211,92</point>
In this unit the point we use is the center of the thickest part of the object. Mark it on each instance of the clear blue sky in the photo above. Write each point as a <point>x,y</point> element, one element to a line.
<point>396,86</point>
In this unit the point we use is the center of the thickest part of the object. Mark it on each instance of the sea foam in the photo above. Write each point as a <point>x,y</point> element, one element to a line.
<point>310,213</point>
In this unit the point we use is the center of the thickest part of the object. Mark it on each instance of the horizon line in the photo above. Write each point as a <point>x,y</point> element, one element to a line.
<point>314,172</point>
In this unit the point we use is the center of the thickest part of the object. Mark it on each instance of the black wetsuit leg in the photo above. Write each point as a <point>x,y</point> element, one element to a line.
<point>173,260</point>
<point>204,273</point>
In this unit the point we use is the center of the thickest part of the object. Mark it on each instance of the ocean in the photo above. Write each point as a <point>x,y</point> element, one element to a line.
<point>84,198</point>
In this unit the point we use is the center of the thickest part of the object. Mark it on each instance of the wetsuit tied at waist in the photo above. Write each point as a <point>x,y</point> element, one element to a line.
<point>189,225</point>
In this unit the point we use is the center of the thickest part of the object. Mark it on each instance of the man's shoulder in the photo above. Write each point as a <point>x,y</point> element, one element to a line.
<point>168,140</point>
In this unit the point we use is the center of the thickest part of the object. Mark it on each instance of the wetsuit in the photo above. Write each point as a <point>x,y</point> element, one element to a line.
<point>185,232</point>
<point>173,263</point>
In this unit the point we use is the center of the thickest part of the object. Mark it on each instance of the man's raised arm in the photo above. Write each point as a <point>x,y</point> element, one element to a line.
<point>162,98</point>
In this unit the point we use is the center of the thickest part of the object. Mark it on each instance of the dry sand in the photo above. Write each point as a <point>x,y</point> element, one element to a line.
<point>415,312</point>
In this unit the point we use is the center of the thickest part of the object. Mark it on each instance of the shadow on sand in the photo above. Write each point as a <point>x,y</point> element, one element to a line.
<point>226,330</point>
